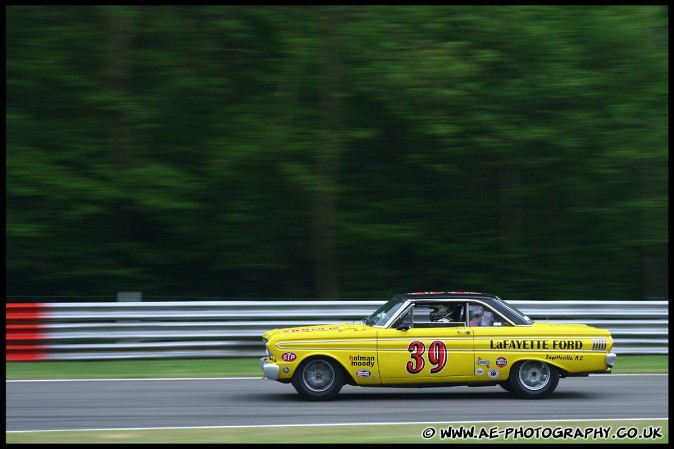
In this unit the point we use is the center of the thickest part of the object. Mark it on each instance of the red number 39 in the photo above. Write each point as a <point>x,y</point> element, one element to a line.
<point>437,356</point>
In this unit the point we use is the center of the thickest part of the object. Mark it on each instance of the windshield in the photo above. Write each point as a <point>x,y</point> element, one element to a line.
<point>515,310</point>
<point>384,313</point>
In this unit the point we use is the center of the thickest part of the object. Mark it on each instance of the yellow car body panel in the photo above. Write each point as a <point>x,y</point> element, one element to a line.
<point>354,346</point>
<point>574,348</point>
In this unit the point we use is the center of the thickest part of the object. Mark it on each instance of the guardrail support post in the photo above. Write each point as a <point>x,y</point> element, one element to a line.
<point>129,296</point>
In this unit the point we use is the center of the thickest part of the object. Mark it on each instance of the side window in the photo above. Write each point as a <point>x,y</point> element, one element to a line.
<point>440,315</point>
<point>421,315</point>
<point>405,320</point>
<point>459,314</point>
<point>483,317</point>
<point>416,316</point>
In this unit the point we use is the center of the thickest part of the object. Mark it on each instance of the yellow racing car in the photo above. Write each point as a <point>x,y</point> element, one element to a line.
<point>439,339</point>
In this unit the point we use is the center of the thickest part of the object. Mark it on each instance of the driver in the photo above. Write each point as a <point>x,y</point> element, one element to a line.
<point>441,313</point>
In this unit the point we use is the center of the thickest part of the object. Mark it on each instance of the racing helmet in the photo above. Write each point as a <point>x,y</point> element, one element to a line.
<point>439,312</point>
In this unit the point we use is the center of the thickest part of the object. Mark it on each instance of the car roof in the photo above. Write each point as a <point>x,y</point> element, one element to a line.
<point>449,295</point>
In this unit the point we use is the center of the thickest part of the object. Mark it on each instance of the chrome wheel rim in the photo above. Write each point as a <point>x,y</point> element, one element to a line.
<point>318,375</point>
<point>534,375</point>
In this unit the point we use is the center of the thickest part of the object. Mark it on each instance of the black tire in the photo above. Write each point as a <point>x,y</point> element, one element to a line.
<point>318,379</point>
<point>532,379</point>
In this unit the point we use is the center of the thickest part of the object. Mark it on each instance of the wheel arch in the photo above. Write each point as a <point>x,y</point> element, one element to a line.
<point>348,378</point>
<point>533,385</point>
<point>537,358</point>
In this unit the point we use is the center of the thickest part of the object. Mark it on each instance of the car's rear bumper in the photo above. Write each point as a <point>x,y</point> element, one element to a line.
<point>271,370</point>
<point>610,359</point>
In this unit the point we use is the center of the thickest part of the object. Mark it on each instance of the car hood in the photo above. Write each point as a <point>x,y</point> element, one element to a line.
<point>317,329</point>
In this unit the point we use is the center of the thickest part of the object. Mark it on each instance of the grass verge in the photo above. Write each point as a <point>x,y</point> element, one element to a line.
<point>573,432</point>
<point>244,367</point>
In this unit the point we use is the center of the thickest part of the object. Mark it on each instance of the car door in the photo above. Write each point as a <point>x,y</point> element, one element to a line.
<point>416,350</point>
<point>488,326</point>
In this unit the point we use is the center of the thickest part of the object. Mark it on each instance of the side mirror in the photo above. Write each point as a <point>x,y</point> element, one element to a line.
<point>403,327</point>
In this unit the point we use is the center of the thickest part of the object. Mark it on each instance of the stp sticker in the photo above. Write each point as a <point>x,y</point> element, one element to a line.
<point>479,371</point>
<point>493,373</point>
<point>501,362</point>
<point>363,373</point>
<point>289,357</point>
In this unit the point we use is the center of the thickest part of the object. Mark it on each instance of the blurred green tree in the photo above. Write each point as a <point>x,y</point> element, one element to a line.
<point>353,151</point>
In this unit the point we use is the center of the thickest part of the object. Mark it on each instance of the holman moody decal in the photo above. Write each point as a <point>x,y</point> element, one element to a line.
<point>361,360</point>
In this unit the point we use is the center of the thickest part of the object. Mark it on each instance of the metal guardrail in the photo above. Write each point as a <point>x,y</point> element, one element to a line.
<point>205,329</point>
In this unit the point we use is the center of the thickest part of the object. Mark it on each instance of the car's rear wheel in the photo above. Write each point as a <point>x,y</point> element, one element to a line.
<point>533,379</point>
<point>318,379</point>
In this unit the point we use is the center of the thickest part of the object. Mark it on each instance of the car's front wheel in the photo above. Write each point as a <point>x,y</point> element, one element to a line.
<point>318,379</point>
<point>533,379</point>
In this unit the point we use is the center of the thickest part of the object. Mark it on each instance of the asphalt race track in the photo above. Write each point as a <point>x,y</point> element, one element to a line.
<point>103,404</point>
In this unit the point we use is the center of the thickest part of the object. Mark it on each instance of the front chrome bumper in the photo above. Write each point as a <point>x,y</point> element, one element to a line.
<point>271,370</point>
